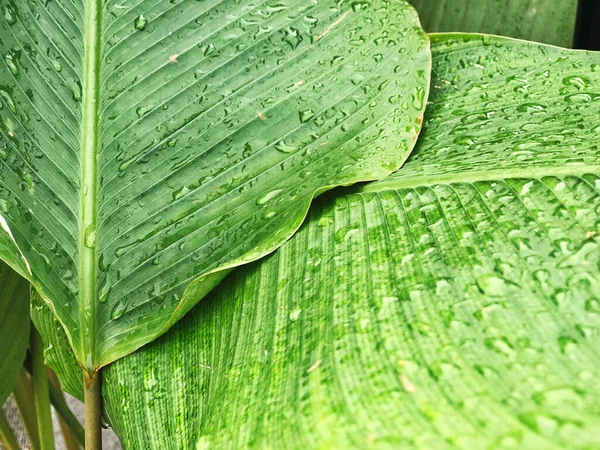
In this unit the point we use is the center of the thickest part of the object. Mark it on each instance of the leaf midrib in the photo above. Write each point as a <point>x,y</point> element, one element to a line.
<point>479,175</point>
<point>90,144</point>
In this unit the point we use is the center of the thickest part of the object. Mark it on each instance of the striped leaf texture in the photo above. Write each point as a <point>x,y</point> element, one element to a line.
<point>548,21</point>
<point>147,147</point>
<point>57,350</point>
<point>14,327</point>
<point>454,304</point>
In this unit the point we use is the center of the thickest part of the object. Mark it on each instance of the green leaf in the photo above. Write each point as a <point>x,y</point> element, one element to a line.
<point>14,327</point>
<point>454,304</point>
<point>548,21</point>
<point>57,354</point>
<point>146,148</point>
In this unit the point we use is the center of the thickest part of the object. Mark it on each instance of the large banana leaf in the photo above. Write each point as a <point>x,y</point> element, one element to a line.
<point>548,21</point>
<point>14,327</point>
<point>148,147</point>
<point>454,304</point>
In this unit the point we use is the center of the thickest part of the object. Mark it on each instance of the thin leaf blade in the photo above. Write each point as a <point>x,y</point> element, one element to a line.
<point>14,327</point>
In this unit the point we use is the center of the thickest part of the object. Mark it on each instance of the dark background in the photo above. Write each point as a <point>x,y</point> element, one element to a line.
<point>587,32</point>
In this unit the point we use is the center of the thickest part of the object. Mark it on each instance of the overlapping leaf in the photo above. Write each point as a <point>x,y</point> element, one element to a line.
<point>148,147</point>
<point>548,21</point>
<point>454,304</point>
<point>14,327</point>
<point>57,352</point>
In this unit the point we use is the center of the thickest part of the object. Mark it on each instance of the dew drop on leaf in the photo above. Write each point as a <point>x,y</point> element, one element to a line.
<point>140,22</point>
<point>492,285</point>
<point>578,98</point>
<point>578,82</point>
<point>268,196</point>
<point>90,237</point>
<point>305,115</point>
<point>118,310</point>
<point>418,98</point>
<point>284,148</point>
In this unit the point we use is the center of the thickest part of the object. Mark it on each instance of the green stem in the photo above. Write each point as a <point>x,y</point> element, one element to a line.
<point>23,393</point>
<point>93,411</point>
<point>7,437</point>
<point>41,392</point>
<point>71,429</point>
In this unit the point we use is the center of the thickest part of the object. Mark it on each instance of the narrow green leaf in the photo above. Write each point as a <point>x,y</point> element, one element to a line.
<point>454,304</point>
<point>14,327</point>
<point>549,21</point>
<point>41,392</point>
<point>57,354</point>
<point>7,436</point>
<point>146,148</point>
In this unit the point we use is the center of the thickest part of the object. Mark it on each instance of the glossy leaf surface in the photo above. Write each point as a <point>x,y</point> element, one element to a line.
<point>454,304</point>
<point>148,147</point>
<point>548,21</point>
<point>14,327</point>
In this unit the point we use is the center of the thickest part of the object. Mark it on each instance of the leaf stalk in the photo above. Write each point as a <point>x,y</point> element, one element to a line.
<point>93,411</point>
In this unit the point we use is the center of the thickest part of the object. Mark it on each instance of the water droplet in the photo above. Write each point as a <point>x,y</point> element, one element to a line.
<point>345,232</point>
<point>140,22</point>
<point>143,110</point>
<point>418,98</point>
<point>28,181</point>
<point>531,107</point>
<point>75,86</point>
<point>180,192</point>
<point>491,284</point>
<point>14,69</point>
<point>150,383</point>
<point>118,310</point>
<point>9,15</point>
<point>209,49</point>
<point>8,100</point>
<point>565,342</point>
<point>578,98</point>
<point>90,236</point>
<point>325,221</point>
<point>284,148</point>
<point>576,81</point>
<point>306,115</point>
<point>295,314</point>
<point>293,37</point>
<point>268,196</point>
<point>357,6</point>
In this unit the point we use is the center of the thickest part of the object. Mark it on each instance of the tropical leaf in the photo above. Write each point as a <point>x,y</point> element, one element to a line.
<point>149,147</point>
<point>454,304</point>
<point>14,327</point>
<point>548,21</point>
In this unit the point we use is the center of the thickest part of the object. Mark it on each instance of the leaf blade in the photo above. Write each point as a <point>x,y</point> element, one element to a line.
<point>550,22</point>
<point>14,325</point>
<point>152,147</point>
<point>415,311</point>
